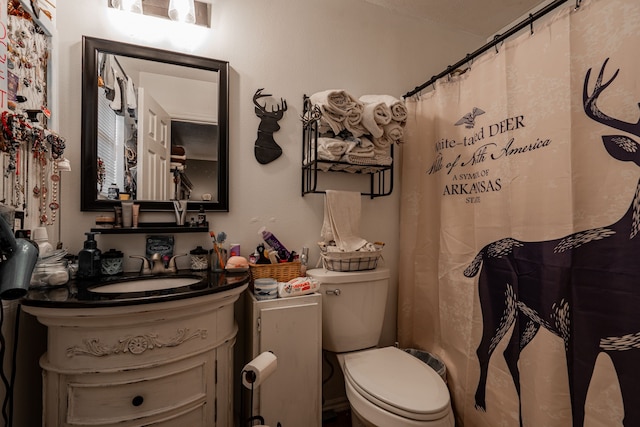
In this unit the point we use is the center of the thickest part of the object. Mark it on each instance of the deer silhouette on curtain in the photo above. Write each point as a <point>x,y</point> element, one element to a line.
<point>584,288</point>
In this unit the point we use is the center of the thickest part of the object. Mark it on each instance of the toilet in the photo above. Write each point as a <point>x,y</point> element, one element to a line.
<point>386,387</point>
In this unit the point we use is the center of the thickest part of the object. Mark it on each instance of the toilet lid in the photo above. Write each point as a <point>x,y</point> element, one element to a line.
<point>398,382</point>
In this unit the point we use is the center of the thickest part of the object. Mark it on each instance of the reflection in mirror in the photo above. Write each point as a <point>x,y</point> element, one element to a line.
<point>154,128</point>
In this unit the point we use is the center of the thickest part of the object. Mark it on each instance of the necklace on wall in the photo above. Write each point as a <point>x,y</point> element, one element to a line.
<point>55,180</point>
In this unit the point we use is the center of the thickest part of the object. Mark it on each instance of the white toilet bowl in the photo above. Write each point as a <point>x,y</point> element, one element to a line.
<point>388,387</point>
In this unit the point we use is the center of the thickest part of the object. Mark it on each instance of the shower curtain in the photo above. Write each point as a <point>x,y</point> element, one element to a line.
<point>520,208</point>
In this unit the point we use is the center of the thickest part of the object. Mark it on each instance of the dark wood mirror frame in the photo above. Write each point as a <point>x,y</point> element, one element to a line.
<point>89,168</point>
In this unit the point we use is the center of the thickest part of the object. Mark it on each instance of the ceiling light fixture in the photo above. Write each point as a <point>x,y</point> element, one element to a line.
<point>134,6</point>
<point>196,12</point>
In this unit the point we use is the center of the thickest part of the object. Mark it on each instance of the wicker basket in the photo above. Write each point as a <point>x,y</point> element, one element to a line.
<point>282,272</point>
<point>350,261</point>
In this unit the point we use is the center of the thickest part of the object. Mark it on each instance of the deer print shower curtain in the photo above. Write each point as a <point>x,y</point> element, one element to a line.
<point>520,218</point>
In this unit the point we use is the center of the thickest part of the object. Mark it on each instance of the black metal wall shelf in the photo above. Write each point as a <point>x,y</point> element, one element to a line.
<point>153,227</point>
<point>380,177</point>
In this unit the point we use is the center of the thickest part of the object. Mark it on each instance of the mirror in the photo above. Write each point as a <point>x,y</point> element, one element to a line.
<point>154,128</point>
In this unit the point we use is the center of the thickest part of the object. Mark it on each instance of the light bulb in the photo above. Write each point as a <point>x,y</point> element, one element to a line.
<point>134,6</point>
<point>182,10</point>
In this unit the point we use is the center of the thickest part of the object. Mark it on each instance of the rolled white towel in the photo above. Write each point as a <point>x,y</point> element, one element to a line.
<point>398,109</point>
<point>335,105</point>
<point>334,120</point>
<point>374,116</point>
<point>383,142</point>
<point>353,122</point>
<point>394,131</point>
<point>337,100</point>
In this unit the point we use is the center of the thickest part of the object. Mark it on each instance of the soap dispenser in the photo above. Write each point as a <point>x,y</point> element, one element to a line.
<point>89,264</point>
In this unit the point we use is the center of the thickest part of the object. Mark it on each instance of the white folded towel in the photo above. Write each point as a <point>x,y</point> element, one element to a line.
<point>341,224</point>
<point>331,148</point>
<point>398,109</point>
<point>363,148</point>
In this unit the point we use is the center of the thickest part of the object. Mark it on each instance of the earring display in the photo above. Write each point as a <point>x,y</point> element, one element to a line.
<point>30,151</point>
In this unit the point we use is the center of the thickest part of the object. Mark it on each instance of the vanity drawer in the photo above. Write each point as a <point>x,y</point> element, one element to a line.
<point>153,394</point>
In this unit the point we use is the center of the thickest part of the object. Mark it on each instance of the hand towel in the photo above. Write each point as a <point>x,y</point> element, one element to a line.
<point>341,224</point>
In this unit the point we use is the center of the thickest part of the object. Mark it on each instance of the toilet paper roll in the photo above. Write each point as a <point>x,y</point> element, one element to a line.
<point>259,369</point>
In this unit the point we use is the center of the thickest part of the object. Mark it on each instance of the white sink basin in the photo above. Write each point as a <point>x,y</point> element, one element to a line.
<point>144,285</point>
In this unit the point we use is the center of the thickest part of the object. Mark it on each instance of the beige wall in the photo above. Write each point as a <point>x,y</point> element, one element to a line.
<point>290,48</point>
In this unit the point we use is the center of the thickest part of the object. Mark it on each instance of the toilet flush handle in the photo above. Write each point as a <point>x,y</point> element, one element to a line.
<point>335,292</point>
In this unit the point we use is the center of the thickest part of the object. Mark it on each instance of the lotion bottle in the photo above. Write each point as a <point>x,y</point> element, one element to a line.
<point>89,263</point>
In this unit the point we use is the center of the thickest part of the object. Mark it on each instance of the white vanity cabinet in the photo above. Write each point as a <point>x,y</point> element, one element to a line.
<point>291,328</point>
<point>156,364</point>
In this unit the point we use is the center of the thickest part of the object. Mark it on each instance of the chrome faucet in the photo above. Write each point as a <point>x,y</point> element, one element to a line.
<point>156,264</point>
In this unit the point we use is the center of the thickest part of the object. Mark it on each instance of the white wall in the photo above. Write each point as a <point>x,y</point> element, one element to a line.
<point>290,48</point>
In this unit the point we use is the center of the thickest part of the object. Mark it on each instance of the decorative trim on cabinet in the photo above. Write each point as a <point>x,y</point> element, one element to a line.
<point>135,345</point>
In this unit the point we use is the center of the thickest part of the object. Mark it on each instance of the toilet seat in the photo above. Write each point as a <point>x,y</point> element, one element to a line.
<point>397,382</point>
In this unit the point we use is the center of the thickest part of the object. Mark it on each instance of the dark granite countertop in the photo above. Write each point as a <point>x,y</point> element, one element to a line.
<point>82,293</point>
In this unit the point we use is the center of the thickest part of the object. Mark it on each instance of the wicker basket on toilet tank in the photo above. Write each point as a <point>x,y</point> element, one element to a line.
<point>350,261</point>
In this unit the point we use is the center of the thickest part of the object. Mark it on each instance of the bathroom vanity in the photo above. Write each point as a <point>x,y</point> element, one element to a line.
<point>130,359</point>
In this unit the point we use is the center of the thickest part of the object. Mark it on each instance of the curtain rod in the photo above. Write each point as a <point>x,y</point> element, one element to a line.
<point>496,40</point>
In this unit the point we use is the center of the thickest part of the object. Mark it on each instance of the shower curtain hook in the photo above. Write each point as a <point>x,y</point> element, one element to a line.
<point>531,21</point>
<point>495,41</point>
<point>469,61</point>
<point>578,4</point>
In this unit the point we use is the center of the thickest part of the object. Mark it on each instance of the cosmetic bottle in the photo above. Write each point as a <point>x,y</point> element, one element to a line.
<point>272,241</point>
<point>89,263</point>
<point>40,236</point>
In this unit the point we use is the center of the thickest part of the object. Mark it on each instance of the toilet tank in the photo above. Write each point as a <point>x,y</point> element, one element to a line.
<point>353,307</point>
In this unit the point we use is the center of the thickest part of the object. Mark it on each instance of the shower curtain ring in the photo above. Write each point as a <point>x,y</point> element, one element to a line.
<point>531,21</point>
<point>495,42</point>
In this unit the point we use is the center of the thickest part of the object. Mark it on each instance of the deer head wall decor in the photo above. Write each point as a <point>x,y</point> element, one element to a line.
<point>584,288</point>
<point>266,149</point>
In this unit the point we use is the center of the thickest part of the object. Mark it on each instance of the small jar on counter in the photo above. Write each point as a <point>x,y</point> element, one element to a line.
<point>111,262</point>
<point>199,259</point>
<point>53,274</point>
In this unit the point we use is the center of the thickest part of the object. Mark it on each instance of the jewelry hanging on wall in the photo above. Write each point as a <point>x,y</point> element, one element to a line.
<point>54,205</point>
<point>23,131</point>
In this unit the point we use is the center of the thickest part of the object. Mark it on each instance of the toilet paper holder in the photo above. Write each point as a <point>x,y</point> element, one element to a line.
<point>253,374</point>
